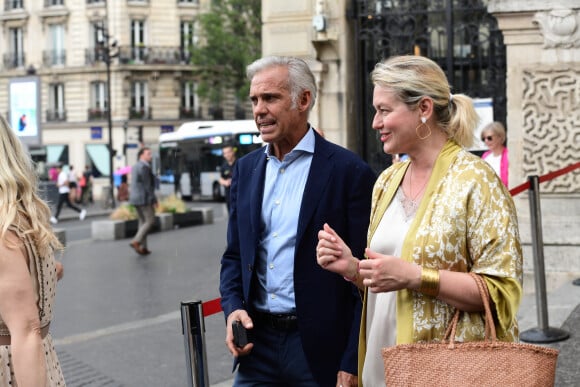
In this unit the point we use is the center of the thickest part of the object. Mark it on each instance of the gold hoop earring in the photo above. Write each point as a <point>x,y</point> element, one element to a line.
<point>423,123</point>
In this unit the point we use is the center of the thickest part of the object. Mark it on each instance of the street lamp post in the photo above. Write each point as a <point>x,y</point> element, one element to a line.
<point>107,55</point>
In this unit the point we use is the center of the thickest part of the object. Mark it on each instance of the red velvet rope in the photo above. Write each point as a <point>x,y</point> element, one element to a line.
<point>214,306</point>
<point>549,176</point>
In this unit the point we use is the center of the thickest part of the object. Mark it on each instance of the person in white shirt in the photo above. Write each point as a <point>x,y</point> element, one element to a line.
<point>63,196</point>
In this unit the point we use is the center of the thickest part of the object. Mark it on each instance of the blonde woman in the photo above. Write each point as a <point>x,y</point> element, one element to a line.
<point>436,217</point>
<point>28,273</point>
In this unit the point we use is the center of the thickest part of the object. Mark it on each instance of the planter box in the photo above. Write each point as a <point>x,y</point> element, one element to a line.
<point>121,229</point>
<point>187,219</point>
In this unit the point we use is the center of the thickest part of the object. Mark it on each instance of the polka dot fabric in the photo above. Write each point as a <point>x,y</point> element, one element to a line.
<point>43,273</point>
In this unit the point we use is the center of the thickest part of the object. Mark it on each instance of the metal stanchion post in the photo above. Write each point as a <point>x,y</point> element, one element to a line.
<point>194,338</point>
<point>544,333</point>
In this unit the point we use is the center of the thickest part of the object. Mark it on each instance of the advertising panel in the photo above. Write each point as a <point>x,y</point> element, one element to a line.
<point>24,107</point>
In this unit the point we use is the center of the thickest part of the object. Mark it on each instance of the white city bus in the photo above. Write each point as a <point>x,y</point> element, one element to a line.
<point>191,157</point>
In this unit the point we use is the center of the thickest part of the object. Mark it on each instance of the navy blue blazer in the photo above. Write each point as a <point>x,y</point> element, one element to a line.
<point>338,192</point>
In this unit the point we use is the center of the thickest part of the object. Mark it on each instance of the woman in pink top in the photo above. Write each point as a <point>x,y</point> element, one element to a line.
<point>493,135</point>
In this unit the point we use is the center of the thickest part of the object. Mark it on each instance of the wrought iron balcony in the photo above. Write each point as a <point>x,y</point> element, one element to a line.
<point>55,115</point>
<point>10,5</point>
<point>189,112</point>
<point>151,55</point>
<point>54,58</point>
<point>96,114</point>
<point>53,3</point>
<point>142,113</point>
<point>14,60</point>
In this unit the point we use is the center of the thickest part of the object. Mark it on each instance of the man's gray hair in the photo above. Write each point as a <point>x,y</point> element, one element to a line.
<point>300,77</point>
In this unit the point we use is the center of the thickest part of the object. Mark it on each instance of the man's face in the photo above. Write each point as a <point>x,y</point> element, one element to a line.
<point>229,154</point>
<point>276,116</point>
<point>147,155</point>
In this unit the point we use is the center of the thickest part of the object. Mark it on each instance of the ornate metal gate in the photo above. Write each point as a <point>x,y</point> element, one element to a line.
<point>460,35</point>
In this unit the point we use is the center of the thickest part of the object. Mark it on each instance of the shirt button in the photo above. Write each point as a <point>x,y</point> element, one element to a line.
<point>282,170</point>
<point>271,266</point>
<point>275,235</point>
<point>272,296</point>
<point>277,202</point>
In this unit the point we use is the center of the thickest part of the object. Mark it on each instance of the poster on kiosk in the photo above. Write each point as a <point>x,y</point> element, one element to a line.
<point>25,109</point>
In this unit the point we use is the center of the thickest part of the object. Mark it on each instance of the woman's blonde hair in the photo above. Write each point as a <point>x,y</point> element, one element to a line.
<point>413,77</point>
<point>20,205</point>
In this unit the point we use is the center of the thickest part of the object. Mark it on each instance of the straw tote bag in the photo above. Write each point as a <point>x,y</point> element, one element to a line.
<point>481,363</point>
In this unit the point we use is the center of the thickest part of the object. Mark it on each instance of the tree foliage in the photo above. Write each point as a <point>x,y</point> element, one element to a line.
<point>230,39</point>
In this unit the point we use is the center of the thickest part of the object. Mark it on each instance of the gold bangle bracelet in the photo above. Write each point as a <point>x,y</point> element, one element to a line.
<point>429,282</point>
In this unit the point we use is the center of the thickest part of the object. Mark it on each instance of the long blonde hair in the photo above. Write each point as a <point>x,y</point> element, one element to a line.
<point>20,205</point>
<point>413,77</point>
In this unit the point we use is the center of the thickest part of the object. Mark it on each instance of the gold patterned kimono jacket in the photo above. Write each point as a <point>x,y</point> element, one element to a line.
<point>465,222</point>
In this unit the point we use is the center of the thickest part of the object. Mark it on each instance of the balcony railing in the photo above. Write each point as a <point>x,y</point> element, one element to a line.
<point>14,60</point>
<point>142,113</point>
<point>152,55</point>
<point>55,115</point>
<point>189,112</point>
<point>53,3</point>
<point>96,114</point>
<point>54,58</point>
<point>10,5</point>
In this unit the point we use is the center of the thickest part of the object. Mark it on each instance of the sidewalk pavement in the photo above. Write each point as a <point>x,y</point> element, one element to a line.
<point>93,210</point>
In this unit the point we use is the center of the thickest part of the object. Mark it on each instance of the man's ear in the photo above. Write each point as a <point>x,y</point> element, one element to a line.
<point>304,100</point>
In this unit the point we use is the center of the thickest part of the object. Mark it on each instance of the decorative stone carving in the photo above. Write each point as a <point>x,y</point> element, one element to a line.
<point>551,125</point>
<point>560,28</point>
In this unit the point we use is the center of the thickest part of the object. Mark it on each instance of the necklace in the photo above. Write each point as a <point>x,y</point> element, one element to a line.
<point>410,203</point>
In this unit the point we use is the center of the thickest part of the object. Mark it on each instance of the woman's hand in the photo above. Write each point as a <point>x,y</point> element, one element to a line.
<point>334,255</point>
<point>387,273</point>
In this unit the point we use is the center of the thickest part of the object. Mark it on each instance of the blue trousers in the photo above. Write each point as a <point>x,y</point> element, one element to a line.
<point>277,359</point>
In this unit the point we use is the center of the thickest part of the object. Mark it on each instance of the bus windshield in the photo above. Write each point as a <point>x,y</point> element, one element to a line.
<point>191,157</point>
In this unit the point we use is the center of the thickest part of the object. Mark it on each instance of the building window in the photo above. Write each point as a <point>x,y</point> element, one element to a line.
<point>99,103</point>
<point>188,40</point>
<point>56,53</point>
<point>139,102</point>
<point>52,3</point>
<point>188,1</point>
<point>15,57</point>
<point>56,111</point>
<point>139,50</point>
<point>188,102</point>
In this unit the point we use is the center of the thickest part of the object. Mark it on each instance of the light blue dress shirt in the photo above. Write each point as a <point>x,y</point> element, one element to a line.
<point>283,191</point>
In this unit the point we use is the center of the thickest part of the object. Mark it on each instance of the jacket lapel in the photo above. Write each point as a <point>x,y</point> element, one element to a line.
<point>320,171</point>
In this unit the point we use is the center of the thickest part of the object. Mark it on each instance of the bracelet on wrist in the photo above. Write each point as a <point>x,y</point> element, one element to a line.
<point>429,282</point>
<point>356,274</point>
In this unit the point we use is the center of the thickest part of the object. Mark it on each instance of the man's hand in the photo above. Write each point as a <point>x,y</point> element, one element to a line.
<point>242,316</point>
<point>344,379</point>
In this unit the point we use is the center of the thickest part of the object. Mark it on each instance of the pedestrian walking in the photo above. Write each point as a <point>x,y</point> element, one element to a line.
<point>142,196</point>
<point>64,198</point>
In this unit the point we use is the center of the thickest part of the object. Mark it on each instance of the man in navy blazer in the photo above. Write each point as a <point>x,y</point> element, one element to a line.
<point>302,321</point>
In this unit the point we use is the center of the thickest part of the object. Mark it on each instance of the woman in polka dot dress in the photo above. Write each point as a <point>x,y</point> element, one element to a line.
<point>28,273</point>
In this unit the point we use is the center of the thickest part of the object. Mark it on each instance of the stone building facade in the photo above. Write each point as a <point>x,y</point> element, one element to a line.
<point>62,44</point>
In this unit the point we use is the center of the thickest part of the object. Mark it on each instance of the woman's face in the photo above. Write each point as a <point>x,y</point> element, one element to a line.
<point>394,121</point>
<point>491,140</point>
